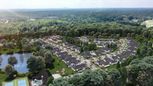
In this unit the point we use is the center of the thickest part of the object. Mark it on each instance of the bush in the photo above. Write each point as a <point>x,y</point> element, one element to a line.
<point>50,80</point>
<point>12,76</point>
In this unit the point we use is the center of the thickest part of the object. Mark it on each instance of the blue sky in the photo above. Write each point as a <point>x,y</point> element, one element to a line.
<point>33,4</point>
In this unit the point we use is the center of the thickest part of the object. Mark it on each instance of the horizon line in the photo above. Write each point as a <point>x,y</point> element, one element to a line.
<point>79,8</point>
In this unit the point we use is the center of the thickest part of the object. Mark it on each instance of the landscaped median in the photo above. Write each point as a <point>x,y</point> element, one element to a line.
<point>17,82</point>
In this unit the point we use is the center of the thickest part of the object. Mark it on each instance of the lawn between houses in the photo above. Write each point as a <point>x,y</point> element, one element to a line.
<point>60,67</point>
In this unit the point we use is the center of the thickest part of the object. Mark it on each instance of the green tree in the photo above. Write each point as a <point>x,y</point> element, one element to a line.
<point>140,72</point>
<point>36,63</point>
<point>114,78</point>
<point>10,71</point>
<point>61,82</point>
<point>94,78</point>
<point>48,59</point>
<point>12,61</point>
<point>50,80</point>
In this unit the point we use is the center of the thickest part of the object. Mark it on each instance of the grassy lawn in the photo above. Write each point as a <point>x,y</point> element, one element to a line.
<point>111,67</point>
<point>9,28</point>
<point>60,66</point>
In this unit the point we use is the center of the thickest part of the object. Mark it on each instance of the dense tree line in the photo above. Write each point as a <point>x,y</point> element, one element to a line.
<point>42,58</point>
<point>41,61</point>
<point>112,29</point>
<point>83,15</point>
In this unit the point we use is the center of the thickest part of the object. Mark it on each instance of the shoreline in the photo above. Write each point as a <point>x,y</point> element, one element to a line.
<point>19,52</point>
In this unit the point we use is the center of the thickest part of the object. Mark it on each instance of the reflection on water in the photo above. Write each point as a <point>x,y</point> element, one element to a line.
<point>21,66</point>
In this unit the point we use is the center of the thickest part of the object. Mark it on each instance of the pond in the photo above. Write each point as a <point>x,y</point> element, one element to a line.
<point>21,66</point>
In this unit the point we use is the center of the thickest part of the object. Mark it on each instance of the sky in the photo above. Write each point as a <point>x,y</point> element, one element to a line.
<point>42,4</point>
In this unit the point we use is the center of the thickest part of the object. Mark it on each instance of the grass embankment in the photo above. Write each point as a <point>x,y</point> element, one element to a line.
<point>6,51</point>
<point>61,67</point>
<point>2,77</point>
<point>15,50</point>
<point>111,66</point>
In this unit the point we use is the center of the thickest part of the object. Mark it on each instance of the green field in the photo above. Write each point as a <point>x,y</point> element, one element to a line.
<point>9,28</point>
<point>59,65</point>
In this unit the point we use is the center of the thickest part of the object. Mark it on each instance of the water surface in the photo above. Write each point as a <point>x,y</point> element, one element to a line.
<point>21,66</point>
